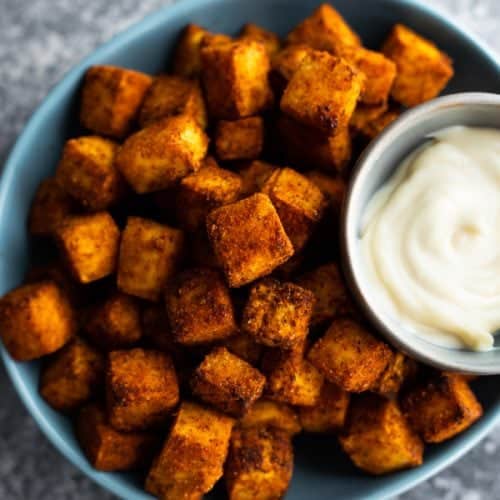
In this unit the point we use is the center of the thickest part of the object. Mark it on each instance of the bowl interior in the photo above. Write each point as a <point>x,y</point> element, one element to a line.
<point>321,471</point>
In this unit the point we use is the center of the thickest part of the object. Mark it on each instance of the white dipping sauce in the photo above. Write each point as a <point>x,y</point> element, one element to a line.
<point>431,239</point>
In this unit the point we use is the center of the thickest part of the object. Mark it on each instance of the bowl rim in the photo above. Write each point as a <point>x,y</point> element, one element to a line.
<point>153,20</point>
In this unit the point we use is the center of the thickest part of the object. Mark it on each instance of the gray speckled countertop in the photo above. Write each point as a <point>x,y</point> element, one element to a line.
<point>39,41</point>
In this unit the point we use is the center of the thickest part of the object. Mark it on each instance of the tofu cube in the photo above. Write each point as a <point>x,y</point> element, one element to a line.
<point>323,92</point>
<point>400,371</point>
<point>422,69</point>
<point>235,78</point>
<point>254,176</point>
<point>377,436</point>
<point>141,389</point>
<point>111,98</point>
<point>89,245</point>
<point>245,347</point>
<point>158,156</point>
<point>377,125</point>
<point>35,320</point>
<point>266,413</point>
<point>248,239</point>
<point>199,307</point>
<point>270,40</point>
<point>285,63</point>
<point>240,139</point>
<point>259,464</point>
<point>350,356</point>
<point>72,376</point>
<point>441,407</point>
<point>193,456</point>
<point>333,188</point>
<point>149,255</point>
<point>87,172</point>
<point>187,60</point>
<point>365,114</point>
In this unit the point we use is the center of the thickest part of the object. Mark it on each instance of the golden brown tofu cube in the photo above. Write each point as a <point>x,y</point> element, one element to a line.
<point>72,376</point>
<point>199,307</point>
<point>333,188</point>
<point>193,455</point>
<point>149,255</point>
<point>171,95</point>
<point>201,192</point>
<point>187,61</point>
<point>86,171</point>
<point>422,69</point>
<point>270,40</point>
<point>108,449</point>
<point>244,346</point>
<point>377,436</point>
<point>299,203</point>
<point>89,245</point>
<point>329,413</point>
<point>157,156</point>
<point>254,176</point>
<point>375,126</point>
<point>248,239</point>
<point>350,356</point>
<point>50,206</point>
<point>141,389</point>
<point>235,77</point>
<point>111,98</point>
<point>364,114</point>
<point>278,314</point>
<point>240,139</point>
<point>323,92</point>
<point>259,464</point>
<point>227,382</point>
<point>325,29</point>
<point>441,407</point>
<point>400,371</point>
<point>35,320</point>
<point>266,413</point>
<point>215,39</point>
<point>285,63</point>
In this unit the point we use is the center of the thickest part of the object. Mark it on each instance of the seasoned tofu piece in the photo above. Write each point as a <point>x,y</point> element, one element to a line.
<point>187,60</point>
<point>89,245</point>
<point>141,389</point>
<point>245,347</point>
<point>254,176</point>
<point>235,78</point>
<point>399,372</point>
<point>72,376</point>
<point>193,456</point>
<point>266,413</point>
<point>240,139</point>
<point>259,464</point>
<point>248,239</point>
<point>333,188</point>
<point>199,307</point>
<point>111,98</point>
<point>149,255</point>
<point>365,114</point>
<point>377,436</point>
<point>441,407</point>
<point>350,356</point>
<point>172,95</point>
<point>285,63</point>
<point>161,154</point>
<point>375,126</point>
<point>422,69</point>
<point>270,40</point>
<point>35,320</point>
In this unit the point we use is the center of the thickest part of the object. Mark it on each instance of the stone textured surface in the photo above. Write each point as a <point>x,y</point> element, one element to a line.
<point>39,41</point>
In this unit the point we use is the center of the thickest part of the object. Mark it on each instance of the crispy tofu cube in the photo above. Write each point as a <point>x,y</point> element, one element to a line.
<point>325,29</point>
<point>278,314</point>
<point>270,40</point>
<point>141,389</point>
<point>35,320</point>
<point>111,98</point>
<point>364,114</point>
<point>244,346</point>
<point>187,61</point>
<point>201,192</point>
<point>89,245</point>
<point>441,407</point>
<point>72,376</point>
<point>329,413</point>
<point>254,176</point>
<point>50,206</point>
<point>375,126</point>
<point>240,139</point>
<point>377,436</point>
<point>299,203</point>
<point>399,372</point>
<point>215,39</point>
<point>266,413</point>
<point>422,69</point>
<point>171,95</point>
<point>259,464</point>
<point>149,255</point>
<point>227,382</point>
<point>193,455</point>
<point>108,449</point>
<point>157,156</point>
<point>323,92</point>
<point>235,77</point>
<point>285,63</point>
<point>333,188</point>
<point>199,307</point>
<point>248,239</point>
<point>350,356</point>
<point>86,171</point>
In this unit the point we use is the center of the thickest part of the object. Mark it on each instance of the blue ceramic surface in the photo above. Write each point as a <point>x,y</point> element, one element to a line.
<point>321,471</point>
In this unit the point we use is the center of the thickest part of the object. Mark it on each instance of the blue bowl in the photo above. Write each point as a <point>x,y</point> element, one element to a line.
<point>321,471</point>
